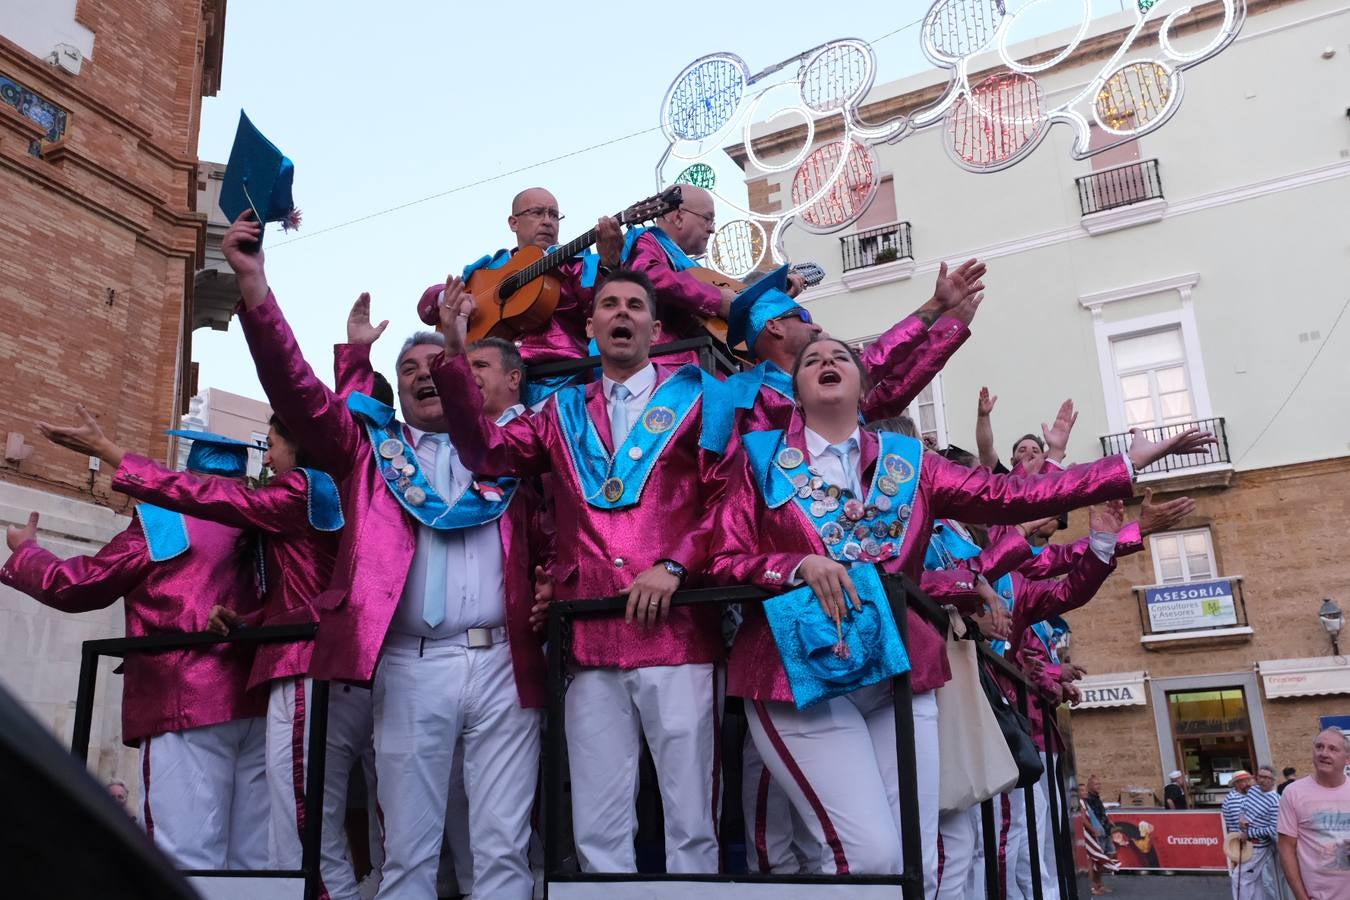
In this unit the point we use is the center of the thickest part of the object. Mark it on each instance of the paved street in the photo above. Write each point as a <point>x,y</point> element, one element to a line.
<point>1162,887</point>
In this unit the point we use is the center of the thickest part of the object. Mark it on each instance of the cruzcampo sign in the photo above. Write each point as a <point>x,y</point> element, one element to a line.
<point>1197,604</point>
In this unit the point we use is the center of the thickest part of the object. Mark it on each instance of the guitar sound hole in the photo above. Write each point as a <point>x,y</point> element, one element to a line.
<point>509,287</point>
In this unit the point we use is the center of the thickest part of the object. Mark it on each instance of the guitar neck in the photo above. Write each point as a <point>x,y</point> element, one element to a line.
<point>554,258</point>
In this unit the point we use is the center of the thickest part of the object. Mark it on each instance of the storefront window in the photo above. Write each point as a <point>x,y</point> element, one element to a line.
<point>1213,738</point>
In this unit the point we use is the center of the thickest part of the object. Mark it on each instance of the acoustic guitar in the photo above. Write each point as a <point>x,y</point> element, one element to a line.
<point>520,297</point>
<point>716,326</point>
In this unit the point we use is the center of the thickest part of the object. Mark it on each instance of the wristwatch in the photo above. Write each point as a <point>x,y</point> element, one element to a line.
<point>673,568</point>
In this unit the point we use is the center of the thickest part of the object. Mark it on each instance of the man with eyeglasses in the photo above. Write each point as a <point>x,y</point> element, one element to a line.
<point>664,253</point>
<point>534,220</point>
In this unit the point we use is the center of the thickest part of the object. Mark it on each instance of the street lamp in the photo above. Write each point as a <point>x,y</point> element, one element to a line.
<point>1331,617</point>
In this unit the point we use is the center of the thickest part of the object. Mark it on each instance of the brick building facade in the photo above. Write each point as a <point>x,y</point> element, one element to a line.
<point>100,242</point>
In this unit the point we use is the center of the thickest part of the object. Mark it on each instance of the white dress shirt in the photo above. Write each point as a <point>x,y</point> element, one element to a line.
<point>830,467</point>
<point>475,583</point>
<point>640,385</point>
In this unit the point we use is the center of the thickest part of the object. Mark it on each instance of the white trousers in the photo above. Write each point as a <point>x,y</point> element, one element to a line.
<point>427,696</point>
<point>959,838</point>
<point>837,763</point>
<point>350,743</point>
<point>674,707</point>
<point>203,793</point>
<point>1247,880</point>
<point>1045,849</point>
<point>777,841</point>
<point>1010,820</point>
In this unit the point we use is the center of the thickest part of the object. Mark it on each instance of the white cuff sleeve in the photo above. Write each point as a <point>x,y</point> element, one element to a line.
<point>1103,545</point>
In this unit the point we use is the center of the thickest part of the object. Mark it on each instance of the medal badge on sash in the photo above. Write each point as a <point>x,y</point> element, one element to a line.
<point>616,482</point>
<point>852,529</point>
<point>482,502</point>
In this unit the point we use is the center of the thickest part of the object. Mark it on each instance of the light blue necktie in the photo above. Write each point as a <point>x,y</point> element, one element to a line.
<point>841,450</point>
<point>436,580</point>
<point>619,426</point>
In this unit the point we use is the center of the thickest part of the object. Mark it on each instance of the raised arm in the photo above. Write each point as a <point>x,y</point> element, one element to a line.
<point>1057,559</point>
<point>352,370</point>
<point>984,429</point>
<point>894,390</point>
<point>486,448</point>
<point>978,495</point>
<point>1038,600</point>
<point>297,395</point>
<point>78,584</point>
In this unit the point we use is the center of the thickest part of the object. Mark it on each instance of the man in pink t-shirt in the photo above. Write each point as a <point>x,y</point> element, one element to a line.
<point>1314,824</point>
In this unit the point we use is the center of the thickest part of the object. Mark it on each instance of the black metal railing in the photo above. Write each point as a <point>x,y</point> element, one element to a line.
<point>561,866</point>
<point>1171,608</point>
<point>1214,455</point>
<point>876,246</point>
<point>1120,186</point>
<point>317,759</point>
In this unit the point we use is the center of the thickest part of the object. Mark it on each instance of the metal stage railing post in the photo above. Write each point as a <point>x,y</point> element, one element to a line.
<point>84,705</point>
<point>989,833</point>
<point>1052,797</point>
<point>907,763</point>
<point>315,764</point>
<point>555,812</point>
<point>1029,802</point>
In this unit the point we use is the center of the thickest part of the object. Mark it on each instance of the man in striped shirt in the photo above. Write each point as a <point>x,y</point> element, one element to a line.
<point>1232,823</point>
<point>1259,819</point>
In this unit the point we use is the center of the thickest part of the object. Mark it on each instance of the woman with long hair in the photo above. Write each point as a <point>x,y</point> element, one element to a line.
<point>805,506</point>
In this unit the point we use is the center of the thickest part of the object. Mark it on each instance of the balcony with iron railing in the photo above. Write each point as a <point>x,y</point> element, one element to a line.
<point>1213,460</point>
<point>1119,186</point>
<point>876,246</point>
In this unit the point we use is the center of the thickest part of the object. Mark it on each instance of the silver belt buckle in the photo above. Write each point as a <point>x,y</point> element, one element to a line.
<point>479,638</point>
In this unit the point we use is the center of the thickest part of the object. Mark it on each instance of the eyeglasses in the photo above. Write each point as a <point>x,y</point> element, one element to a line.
<point>798,313</point>
<point>710,218</point>
<point>541,212</point>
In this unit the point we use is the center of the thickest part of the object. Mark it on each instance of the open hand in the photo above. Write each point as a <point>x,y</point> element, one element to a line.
<point>18,535</point>
<point>965,311</point>
<point>87,437</point>
<point>1107,518</point>
<point>1028,528</point>
<point>1156,517</point>
<point>457,304</point>
<point>954,286</point>
<point>359,329</point>
<point>1145,452</point>
<point>985,406</point>
<point>1057,437</point>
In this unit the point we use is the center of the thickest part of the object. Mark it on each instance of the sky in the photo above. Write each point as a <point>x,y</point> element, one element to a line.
<point>435,107</point>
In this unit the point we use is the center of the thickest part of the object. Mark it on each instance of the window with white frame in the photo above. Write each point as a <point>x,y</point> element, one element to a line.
<point>928,414</point>
<point>1151,373</point>
<point>1182,556</point>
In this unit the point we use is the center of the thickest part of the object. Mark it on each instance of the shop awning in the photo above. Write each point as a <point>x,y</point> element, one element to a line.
<point>1307,677</point>
<point>1112,689</point>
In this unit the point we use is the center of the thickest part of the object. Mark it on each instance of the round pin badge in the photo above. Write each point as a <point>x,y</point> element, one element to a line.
<point>817,483</point>
<point>800,480</point>
<point>831,504</point>
<point>817,494</point>
<point>635,453</point>
<point>831,533</point>
<point>880,529</point>
<point>904,512</point>
<point>871,513</point>
<point>409,470</point>
<point>854,510</point>
<point>390,447</point>
<point>804,491</point>
<point>886,484</point>
<point>852,550</point>
<point>896,529</point>
<point>390,474</point>
<point>883,503</point>
<point>658,419</point>
<point>861,531</point>
<point>415,495</point>
<point>398,461</point>
<point>613,489</point>
<point>818,508</point>
<point>832,491</point>
<point>790,458</point>
<point>871,546</point>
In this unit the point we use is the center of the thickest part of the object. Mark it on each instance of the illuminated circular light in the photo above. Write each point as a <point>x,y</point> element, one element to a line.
<point>737,248</point>
<point>704,97</point>
<point>839,74</point>
<point>699,175</point>
<point>958,28</point>
<point>1134,96</point>
<point>834,185</point>
<point>998,120</point>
